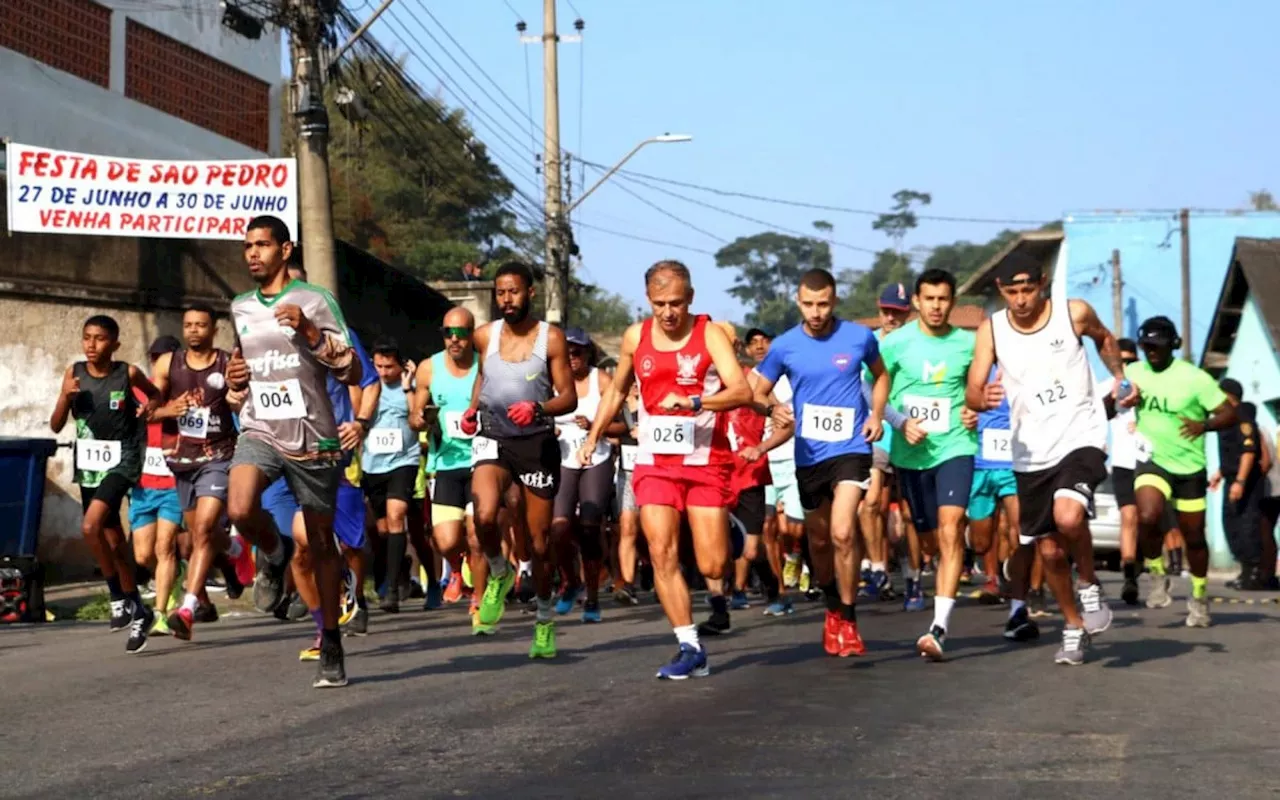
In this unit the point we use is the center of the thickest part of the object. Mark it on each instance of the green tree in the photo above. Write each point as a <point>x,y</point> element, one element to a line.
<point>1262,200</point>
<point>897,223</point>
<point>597,311</point>
<point>860,298</point>
<point>769,266</point>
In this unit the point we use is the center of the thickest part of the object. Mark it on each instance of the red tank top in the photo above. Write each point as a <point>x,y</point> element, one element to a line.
<point>161,436</point>
<point>666,438</point>
<point>746,429</point>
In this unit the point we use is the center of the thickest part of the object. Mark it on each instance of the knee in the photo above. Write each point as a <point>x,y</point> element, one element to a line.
<point>751,550</point>
<point>541,545</point>
<point>1069,517</point>
<point>561,528</point>
<point>842,535</point>
<point>239,508</point>
<point>1050,552</point>
<point>664,555</point>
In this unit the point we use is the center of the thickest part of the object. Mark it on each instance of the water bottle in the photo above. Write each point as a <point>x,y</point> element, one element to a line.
<point>1124,389</point>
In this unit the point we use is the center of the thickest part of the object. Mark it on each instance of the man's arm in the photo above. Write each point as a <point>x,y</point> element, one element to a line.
<point>62,409</point>
<point>984,356</point>
<point>616,426</point>
<point>143,384</point>
<point>421,395</point>
<point>1086,323</point>
<point>736,391</point>
<point>331,346</point>
<point>612,398</point>
<point>176,406</point>
<point>891,415</point>
<point>480,340</point>
<point>566,398</point>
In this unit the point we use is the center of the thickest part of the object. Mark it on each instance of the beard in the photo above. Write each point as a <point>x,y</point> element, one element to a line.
<point>517,315</point>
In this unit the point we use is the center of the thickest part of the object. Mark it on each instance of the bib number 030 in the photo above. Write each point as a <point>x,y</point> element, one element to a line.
<point>933,413</point>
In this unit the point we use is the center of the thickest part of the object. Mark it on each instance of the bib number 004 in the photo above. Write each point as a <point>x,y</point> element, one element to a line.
<point>278,399</point>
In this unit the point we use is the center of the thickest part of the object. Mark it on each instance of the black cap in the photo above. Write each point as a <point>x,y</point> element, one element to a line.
<point>164,344</point>
<point>1158,331</point>
<point>1018,266</point>
<point>754,332</point>
<point>1232,387</point>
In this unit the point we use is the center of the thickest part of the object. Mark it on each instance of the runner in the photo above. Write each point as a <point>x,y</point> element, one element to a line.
<point>1059,431</point>
<point>1123,455</point>
<point>1179,404</point>
<point>525,383</point>
<point>110,440</point>
<point>687,372</point>
<point>624,593</point>
<point>584,490</point>
<point>287,423</point>
<point>927,361</point>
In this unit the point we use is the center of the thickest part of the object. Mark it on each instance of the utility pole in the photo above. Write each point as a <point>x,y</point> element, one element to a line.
<point>1184,221</point>
<point>1117,299</point>
<point>556,283</point>
<point>307,32</point>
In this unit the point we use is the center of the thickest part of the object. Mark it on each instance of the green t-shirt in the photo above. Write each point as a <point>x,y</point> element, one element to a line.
<point>928,375</point>
<point>1180,390</point>
<point>886,441</point>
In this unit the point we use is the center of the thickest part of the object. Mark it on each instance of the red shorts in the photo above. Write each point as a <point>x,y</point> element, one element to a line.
<point>684,486</point>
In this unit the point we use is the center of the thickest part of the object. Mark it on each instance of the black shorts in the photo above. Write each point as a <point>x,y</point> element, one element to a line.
<point>817,483</point>
<point>750,510</point>
<point>1075,476</point>
<point>1188,493</point>
<point>451,488</point>
<point>112,491</point>
<point>532,461</point>
<point>398,484</point>
<point>1122,481</point>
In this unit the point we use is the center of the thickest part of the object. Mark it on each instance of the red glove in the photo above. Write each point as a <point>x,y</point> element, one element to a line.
<point>470,422</point>
<point>522,413</point>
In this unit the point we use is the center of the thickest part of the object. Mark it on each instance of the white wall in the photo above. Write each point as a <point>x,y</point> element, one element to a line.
<point>41,105</point>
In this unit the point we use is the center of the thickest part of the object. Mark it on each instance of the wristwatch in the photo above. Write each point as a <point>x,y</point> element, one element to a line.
<point>695,402</point>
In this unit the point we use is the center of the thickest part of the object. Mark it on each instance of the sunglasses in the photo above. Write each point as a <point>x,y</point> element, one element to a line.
<point>455,332</point>
<point>1129,360</point>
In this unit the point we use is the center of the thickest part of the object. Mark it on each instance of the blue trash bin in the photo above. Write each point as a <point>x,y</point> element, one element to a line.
<point>22,469</point>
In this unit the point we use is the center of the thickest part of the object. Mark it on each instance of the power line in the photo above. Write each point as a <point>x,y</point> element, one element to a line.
<point>633,236</point>
<point>669,214</point>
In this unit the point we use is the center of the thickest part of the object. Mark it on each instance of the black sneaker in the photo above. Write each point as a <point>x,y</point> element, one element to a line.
<point>1036,605</point>
<point>138,629</point>
<point>626,596</point>
<point>121,614</point>
<point>268,586</point>
<point>359,624</point>
<point>391,602</point>
<point>1129,594</point>
<point>1020,628</point>
<point>716,625</point>
<point>332,672</point>
<point>281,612</point>
<point>297,610</point>
<point>206,612</point>
<point>233,585</point>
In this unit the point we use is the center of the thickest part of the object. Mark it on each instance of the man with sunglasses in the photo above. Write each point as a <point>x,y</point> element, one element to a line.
<point>444,385</point>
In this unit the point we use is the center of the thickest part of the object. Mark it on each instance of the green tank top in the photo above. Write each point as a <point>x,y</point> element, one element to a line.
<point>453,396</point>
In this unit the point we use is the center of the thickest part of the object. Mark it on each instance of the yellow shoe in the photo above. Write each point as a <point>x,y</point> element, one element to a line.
<point>791,574</point>
<point>161,628</point>
<point>311,653</point>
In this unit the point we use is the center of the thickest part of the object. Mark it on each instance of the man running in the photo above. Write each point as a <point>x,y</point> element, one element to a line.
<point>110,440</point>
<point>287,423</point>
<point>1179,404</point>
<point>1058,434</point>
<point>834,428</point>
<point>688,373</point>
<point>927,361</point>
<point>525,383</point>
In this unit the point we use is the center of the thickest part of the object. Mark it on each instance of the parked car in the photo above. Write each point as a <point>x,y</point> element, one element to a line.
<point>1105,526</point>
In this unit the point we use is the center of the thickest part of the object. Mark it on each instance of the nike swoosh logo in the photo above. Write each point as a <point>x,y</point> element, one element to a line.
<point>533,377</point>
<point>217,488</point>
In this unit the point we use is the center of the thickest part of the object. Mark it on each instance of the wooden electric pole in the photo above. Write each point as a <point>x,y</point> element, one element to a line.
<point>1184,221</point>
<point>556,279</point>
<point>1117,295</point>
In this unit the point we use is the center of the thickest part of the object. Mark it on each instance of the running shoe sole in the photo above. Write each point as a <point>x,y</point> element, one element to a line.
<point>310,654</point>
<point>929,648</point>
<point>1068,661</point>
<point>700,672</point>
<point>329,683</point>
<point>178,627</point>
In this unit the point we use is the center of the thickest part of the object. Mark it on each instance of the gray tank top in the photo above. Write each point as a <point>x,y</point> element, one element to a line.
<point>506,382</point>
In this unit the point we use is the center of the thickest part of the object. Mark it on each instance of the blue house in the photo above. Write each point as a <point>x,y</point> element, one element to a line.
<point>1079,260</point>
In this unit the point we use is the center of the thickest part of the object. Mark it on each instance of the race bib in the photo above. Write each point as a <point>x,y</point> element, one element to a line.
<point>483,449</point>
<point>670,436</point>
<point>933,413</point>
<point>194,423</point>
<point>629,452</point>
<point>826,423</point>
<point>154,463</point>
<point>383,441</point>
<point>571,440</point>
<point>453,425</point>
<point>1142,448</point>
<point>1047,399</point>
<point>93,455</point>
<point>996,445</point>
<point>277,399</point>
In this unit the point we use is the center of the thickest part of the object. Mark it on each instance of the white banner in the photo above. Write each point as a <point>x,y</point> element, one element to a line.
<point>55,191</point>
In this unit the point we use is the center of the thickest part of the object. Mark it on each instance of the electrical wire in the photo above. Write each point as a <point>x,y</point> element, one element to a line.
<point>623,187</point>
<point>634,237</point>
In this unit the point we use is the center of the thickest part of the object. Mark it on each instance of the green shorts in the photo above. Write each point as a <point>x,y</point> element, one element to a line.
<point>989,485</point>
<point>784,491</point>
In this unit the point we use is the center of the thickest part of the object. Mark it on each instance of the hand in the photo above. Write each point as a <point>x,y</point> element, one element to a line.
<point>993,394</point>
<point>406,377</point>
<point>470,422</point>
<point>873,429</point>
<point>1236,493</point>
<point>235,399</point>
<point>179,405</point>
<point>522,413</point>
<point>237,373</point>
<point>635,432</point>
<point>350,434</point>
<point>587,451</point>
<point>290,315</point>
<point>750,454</point>
<point>675,402</point>
<point>148,407</point>
<point>913,432</point>
<point>783,415</point>
<point>969,418</point>
<point>1191,429</point>
<point>1129,401</point>
<point>583,422</point>
<point>1215,480</point>
<point>70,386</point>
<point>1132,427</point>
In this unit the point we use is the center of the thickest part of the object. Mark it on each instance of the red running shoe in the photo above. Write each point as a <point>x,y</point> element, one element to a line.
<point>850,641</point>
<point>831,633</point>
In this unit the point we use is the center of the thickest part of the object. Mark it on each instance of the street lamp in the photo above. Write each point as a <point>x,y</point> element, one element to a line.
<point>665,138</point>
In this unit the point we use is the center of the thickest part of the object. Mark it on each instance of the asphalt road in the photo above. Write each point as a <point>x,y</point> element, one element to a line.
<point>1160,711</point>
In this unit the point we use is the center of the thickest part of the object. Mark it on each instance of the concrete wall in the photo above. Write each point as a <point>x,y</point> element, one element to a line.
<point>31,368</point>
<point>475,296</point>
<point>41,105</point>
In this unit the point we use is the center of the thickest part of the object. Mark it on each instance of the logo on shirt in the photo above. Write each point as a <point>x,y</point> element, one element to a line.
<point>273,360</point>
<point>1057,344</point>
<point>646,366</point>
<point>934,373</point>
<point>687,368</point>
<point>116,401</point>
<point>841,361</point>
<point>533,377</point>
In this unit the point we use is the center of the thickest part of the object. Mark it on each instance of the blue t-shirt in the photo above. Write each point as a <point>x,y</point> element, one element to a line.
<point>340,397</point>
<point>826,379</point>
<point>993,446</point>
<point>391,443</point>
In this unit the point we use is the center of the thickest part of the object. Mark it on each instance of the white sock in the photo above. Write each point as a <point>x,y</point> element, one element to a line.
<point>688,634</point>
<point>498,566</point>
<point>877,566</point>
<point>526,567</point>
<point>866,564</point>
<point>1014,605</point>
<point>910,572</point>
<point>942,611</point>
<point>190,601</point>
<point>546,611</point>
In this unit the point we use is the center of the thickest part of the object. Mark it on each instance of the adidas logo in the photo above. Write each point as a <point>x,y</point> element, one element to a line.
<point>1056,344</point>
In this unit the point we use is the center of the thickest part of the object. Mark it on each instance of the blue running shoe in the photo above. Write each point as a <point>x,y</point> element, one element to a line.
<point>915,597</point>
<point>690,662</point>
<point>867,589</point>
<point>781,608</point>
<point>591,612</point>
<point>435,597</point>
<point>739,601</point>
<point>567,598</point>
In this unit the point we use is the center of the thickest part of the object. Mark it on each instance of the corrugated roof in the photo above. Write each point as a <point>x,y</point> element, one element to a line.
<point>1040,245</point>
<point>1254,272</point>
<point>967,317</point>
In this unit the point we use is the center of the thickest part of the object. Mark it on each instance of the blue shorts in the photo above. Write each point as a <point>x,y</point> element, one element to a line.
<point>925,490</point>
<point>989,486</point>
<point>348,518</point>
<point>147,506</point>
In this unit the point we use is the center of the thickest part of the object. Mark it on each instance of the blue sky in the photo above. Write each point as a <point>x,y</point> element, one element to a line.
<point>1001,110</point>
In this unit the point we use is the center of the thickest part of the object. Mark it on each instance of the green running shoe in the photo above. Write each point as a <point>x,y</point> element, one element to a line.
<point>544,640</point>
<point>494,601</point>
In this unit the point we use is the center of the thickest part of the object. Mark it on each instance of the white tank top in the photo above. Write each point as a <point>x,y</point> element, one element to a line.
<point>572,436</point>
<point>1053,409</point>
